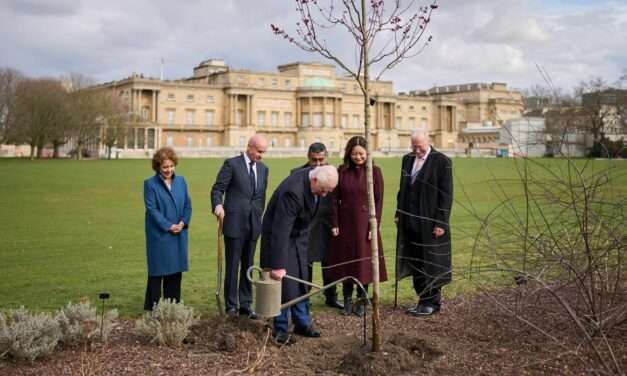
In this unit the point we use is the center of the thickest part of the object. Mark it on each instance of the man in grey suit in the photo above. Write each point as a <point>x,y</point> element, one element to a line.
<point>285,238</point>
<point>242,181</point>
<point>320,233</point>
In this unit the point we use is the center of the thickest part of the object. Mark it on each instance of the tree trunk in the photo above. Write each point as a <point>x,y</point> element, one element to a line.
<point>55,149</point>
<point>79,151</point>
<point>372,213</point>
<point>32,151</point>
<point>40,150</point>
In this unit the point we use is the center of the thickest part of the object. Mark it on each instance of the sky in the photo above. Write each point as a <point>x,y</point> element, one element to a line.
<point>473,40</point>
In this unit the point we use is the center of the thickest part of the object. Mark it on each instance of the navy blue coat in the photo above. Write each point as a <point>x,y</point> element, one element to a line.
<point>285,232</point>
<point>166,252</point>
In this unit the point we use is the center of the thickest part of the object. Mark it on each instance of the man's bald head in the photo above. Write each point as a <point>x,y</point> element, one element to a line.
<point>257,146</point>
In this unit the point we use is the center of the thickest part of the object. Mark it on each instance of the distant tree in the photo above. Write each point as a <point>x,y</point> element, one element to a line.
<point>603,107</point>
<point>381,35</point>
<point>39,107</point>
<point>8,84</point>
<point>86,108</point>
<point>117,119</point>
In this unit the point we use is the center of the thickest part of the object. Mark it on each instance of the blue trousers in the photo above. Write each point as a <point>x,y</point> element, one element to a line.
<point>300,317</point>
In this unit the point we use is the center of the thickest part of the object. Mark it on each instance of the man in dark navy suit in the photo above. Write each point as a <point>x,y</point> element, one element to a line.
<point>242,181</point>
<point>320,233</point>
<point>285,238</point>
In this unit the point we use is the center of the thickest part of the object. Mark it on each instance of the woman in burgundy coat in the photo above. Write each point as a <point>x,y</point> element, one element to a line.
<point>349,222</point>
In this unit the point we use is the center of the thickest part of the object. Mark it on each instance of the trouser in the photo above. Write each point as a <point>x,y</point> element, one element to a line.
<point>426,293</point>
<point>171,289</point>
<point>423,284</point>
<point>349,286</point>
<point>300,317</point>
<point>240,254</point>
<point>331,292</point>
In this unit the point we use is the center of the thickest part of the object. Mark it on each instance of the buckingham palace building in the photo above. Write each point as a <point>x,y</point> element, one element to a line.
<point>218,108</point>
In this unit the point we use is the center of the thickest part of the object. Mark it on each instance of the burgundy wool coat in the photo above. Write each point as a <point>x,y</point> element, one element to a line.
<point>349,213</point>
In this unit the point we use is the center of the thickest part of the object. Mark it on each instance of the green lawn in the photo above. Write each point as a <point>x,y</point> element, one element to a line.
<point>75,228</point>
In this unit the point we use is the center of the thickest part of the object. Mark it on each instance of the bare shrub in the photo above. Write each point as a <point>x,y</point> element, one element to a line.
<point>168,324</point>
<point>26,335</point>
<point>559,231</point>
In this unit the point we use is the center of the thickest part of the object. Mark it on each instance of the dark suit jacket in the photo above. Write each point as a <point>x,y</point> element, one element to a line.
<point>320,232</point>
<point>242,209</point>
<point>430,198</point>
<point>285,231</point>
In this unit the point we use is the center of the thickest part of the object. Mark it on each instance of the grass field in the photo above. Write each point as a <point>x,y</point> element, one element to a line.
<point>75,228</point>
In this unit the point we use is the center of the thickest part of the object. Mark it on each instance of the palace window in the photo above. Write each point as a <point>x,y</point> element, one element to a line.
<point>288,119</point>
<point>171,114</point>
<point>190,141</point>
<point>344,122</point>
<point>261,118</point>
<point>151,138</point>
<point>398,122</point>
<point>305,120</point>
<point>189,98</point>
<point>209,117</point>
<point>209,140</point>
<point>171,97</point>
<point>317,119</point>
<point>412,123</point>
<point>169,141</point>
<point>329,120</point>
<point>189,117</point>
<point>274,119</point>
<point>210,99</point>
<point>356,121</point>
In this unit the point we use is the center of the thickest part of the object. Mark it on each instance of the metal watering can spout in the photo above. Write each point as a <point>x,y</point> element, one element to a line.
<point>268,291</point>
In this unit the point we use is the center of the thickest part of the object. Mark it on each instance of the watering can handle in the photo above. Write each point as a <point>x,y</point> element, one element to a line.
<point>249,272</point>
<point>249,275</point>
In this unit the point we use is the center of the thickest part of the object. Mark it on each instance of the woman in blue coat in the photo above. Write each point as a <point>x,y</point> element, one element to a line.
<point>168,212</point>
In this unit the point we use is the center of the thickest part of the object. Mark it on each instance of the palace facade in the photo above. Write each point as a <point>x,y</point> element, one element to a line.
<point>219,108</point>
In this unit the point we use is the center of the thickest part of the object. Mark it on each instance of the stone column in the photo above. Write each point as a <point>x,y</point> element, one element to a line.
<point>324,111</point>
<point>154,106</point>
<point>310,112</point>
<point>296,118</point>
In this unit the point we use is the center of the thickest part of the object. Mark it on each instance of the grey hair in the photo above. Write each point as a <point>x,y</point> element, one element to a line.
<point>419,132</point>
<point>325,175</point>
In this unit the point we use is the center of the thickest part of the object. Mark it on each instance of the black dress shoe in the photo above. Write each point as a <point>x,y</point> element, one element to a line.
<point>282,338</point>
<point>334,303</point>
<point>411,310</point>
<point>231,312</point>
<point>307,332</point>
<point>423,310</point>
<point>249,312</point>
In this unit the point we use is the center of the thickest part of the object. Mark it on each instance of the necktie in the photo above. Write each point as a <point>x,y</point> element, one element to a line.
<point>251,174</point>
<point>416,169</point>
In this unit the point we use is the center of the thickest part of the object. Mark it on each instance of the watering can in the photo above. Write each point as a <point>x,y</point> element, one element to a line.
<point>268,291</point>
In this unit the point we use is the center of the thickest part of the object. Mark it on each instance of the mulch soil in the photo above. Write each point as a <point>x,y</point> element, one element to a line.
<point>470,336</point>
